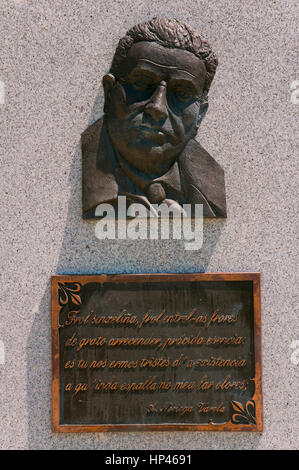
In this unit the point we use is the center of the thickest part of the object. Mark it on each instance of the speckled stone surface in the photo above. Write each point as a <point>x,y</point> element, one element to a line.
<point>53,55</point>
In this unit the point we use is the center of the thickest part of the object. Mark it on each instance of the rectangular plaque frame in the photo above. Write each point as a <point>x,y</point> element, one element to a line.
<point>241,411</point>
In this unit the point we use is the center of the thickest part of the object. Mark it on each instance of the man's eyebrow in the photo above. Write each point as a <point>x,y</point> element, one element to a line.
<point>183,81</point>
<point>168,67</point>
<point>143,71</point>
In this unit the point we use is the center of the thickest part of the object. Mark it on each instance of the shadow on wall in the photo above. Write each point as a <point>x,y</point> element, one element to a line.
<point>82,253</point>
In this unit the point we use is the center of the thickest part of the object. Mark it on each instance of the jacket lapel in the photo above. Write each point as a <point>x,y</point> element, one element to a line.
<point>204,180</point>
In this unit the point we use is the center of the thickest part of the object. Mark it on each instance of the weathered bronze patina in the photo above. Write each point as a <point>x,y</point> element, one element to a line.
<point>156,95</point>
<point>156,352</point>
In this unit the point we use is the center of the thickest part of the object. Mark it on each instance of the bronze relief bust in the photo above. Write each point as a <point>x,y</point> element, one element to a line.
<point>156,95</point>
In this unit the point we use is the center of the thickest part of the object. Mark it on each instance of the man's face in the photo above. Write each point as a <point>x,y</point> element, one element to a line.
<point>154,111</point>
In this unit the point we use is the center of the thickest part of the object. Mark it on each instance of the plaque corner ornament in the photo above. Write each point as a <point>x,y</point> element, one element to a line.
<point>244,414</point>
<point>69,292</point>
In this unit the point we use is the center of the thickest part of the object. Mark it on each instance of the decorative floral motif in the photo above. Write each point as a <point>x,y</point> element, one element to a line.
<point>244,416</point>
<point>69,291</point>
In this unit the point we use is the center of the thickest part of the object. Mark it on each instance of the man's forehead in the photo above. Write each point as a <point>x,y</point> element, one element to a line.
<point>176,60</point>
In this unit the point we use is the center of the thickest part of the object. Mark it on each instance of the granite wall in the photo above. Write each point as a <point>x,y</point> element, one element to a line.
<point>53,55</point>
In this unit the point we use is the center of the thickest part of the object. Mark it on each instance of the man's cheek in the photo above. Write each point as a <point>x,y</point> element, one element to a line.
<point>118,105</point>
<point>190,117</point>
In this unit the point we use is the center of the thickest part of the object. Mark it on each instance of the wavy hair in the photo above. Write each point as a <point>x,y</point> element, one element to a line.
<point>169,33</point>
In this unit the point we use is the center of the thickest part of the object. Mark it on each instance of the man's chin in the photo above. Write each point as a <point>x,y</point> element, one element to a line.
<point>147,150</point>
<point>151,159</point>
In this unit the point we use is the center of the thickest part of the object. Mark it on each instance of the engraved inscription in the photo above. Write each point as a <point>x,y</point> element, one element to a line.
<point>152,353</point>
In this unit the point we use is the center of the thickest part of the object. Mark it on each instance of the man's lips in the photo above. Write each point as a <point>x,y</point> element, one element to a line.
<point>150,129</point>
<point>154,131</point>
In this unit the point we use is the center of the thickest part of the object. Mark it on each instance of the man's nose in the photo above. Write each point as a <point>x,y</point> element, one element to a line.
<point>157,107</point>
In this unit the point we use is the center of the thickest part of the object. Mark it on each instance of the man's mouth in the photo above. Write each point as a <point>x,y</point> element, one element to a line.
<point>150,129</point>
<point>155,131</point>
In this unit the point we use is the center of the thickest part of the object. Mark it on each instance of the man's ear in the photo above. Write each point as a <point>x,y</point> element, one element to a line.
<point>108,83</point>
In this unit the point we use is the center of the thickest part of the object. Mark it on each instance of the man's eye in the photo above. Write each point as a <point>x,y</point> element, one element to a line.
<point>142,84</point>
<point>183,94</point>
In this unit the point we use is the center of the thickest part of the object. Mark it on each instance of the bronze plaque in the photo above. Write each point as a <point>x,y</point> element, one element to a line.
<point>157,352</point>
